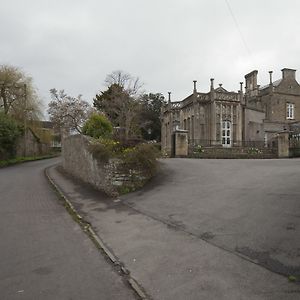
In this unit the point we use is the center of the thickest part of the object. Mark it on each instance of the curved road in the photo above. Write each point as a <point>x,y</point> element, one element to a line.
<point>44,253</point>
<point>204,229</point>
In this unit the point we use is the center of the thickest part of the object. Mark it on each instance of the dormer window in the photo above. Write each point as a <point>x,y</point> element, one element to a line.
<point>290,110</point>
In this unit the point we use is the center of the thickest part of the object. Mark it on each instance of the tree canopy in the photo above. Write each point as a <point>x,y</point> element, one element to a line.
<point>97,126</point>
<point>68,113</point>
<point>120,102</point>
<point>128,108</point>
<point>18,97</point>
<point>10,130</point>
<point>150,116</point>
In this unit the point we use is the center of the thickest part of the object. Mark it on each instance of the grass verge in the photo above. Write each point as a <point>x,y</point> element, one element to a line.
<point>18,160</point>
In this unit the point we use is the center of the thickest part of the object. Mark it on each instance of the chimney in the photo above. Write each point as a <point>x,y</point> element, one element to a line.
<point>251,81</point>
<point>211,84</point>
<point>169,99</point>
<point>241,87</point>
<point>288,73</point>
<point>271,82</point>
<point>195,86</point>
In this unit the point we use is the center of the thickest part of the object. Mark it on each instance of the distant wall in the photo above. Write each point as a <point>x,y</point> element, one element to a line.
<point>29,145</point>
<point>109,177</point>
<point>254,123</point>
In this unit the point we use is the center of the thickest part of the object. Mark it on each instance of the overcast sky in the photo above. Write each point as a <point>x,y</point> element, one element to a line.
<point>73,45</point>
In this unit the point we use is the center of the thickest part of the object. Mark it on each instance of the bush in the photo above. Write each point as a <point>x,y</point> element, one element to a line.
<point>10,130</point>
<point>142,157</point>
<point>97,126</point>
<point>100,152</point>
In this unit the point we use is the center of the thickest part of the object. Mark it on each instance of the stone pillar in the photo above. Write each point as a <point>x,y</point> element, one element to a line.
<point>283,144</point>
<point>213,126</point>
<point>181,143</point>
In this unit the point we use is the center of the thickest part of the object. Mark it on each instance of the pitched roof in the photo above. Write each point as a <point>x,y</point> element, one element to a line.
<point>275,83</point>
<point>221,90</point>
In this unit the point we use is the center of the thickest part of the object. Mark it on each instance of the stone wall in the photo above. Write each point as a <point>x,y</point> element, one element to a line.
<point>234,152</point>
<point>29,145</point>
<point>181,143</point>
<point>254,122</point>
<point>109,176</point>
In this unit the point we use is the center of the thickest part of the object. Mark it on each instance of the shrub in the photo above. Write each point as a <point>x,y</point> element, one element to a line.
<point>142,157</point>
<point>100,152</point>
<point>97,126</point>
<point>10,130</point>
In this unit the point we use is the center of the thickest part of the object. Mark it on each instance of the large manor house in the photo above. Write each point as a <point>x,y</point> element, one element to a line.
<point>227,119</point>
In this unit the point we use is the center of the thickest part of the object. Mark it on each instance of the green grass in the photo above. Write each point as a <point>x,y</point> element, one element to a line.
<point>292,278</point>
<point>18,160</point>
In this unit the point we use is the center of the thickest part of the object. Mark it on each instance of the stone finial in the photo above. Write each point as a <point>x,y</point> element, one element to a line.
<point>220,84</point>
<point>271,81</point>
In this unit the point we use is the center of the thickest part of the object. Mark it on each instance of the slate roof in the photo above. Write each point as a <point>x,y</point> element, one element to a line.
<point>275,83</point>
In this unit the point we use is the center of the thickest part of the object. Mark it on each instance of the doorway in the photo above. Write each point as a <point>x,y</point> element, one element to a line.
<point>226,134</point>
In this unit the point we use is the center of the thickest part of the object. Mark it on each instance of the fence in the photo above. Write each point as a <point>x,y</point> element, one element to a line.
<point>294,145</point>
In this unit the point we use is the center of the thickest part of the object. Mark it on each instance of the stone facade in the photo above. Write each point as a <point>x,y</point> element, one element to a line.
<point>278,103</point>
<point>228,119</point>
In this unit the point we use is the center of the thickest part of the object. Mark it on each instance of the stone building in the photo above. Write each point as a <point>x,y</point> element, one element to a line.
<point>271,108</point>
<point>227,119</point>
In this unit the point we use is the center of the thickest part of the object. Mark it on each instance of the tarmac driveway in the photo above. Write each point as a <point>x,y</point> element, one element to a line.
<point>250,207</point>
<point>204,229</point>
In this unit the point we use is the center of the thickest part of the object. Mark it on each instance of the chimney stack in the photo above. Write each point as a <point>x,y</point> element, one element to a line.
<point>241,87</point>
<point>211,83</point>
<point>271,81</point>
<point>195,86</point>
<point>169,99</point>
<point>288,73</point>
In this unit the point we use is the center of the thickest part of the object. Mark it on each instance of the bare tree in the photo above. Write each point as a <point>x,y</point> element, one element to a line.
<point>130,84</point>
<point>68,113</point>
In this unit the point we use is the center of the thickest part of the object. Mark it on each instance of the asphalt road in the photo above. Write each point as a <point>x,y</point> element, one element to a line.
<point>44,253</point>
<point>249,207</point>
<point>203,229</point>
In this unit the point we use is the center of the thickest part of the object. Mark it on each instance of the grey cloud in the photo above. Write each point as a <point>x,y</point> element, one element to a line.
<point>74,44</point>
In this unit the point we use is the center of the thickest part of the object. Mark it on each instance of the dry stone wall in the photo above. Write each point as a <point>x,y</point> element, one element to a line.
<point>109,176</point>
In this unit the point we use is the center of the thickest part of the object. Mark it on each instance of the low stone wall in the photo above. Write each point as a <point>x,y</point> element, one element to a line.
<point>109,177</point>
<point>234,152</point>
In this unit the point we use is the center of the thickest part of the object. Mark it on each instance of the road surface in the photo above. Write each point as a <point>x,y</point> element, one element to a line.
<point>204,229</point>
<point>44,253</point>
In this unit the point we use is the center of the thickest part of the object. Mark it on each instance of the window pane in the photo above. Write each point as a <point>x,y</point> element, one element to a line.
<point>228,132</point>
<point>290,107</point>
